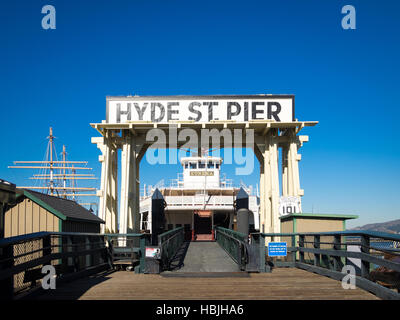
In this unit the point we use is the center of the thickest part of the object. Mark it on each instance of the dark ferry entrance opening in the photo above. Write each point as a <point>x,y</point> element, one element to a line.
<point>202,225</point>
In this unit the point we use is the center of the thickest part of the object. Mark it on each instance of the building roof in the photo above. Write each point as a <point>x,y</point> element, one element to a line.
<point>320,215</point>
<point>63,208</point>
<point>7,192</point>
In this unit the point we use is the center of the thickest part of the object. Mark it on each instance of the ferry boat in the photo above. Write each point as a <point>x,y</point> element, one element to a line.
<point>199,199</point>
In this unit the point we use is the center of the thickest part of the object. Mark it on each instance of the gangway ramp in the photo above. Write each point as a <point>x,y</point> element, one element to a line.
<point>207,256</point>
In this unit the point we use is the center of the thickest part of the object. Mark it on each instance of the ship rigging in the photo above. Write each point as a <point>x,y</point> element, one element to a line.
<point>59,177</point>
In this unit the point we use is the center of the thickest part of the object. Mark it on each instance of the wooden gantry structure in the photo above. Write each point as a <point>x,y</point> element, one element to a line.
<point>129,136</point>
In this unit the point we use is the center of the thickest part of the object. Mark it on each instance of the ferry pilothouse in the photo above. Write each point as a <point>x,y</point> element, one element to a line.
<point>200,199</point>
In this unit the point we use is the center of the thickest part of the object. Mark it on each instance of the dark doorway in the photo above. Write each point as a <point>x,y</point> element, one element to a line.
<point>188,232</point>
<point>203,225</point>
<point>221,219</point>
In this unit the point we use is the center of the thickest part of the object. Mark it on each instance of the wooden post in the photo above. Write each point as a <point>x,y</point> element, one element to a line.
<point>75,258</point>
<point>260,239</point>
<point>294,246</point>
<point>365,243</point>
<point>104,144</point>
<point>7,285</point>
<point>267,187</point>
<point>2,213</point>
<point>262,195</point>
<point>47,246</point>
<point>285,170</point>
<point>274,185</point>
<point>69,248</point>
<point>129,210</point>
<point>337,262</point>
<point>301,245</point>
<point>142,254</point>
<point>317,245</point>
<point>112,204</point>
<point>293,167</point>
<point>88,246</point>
<point>94,245</point>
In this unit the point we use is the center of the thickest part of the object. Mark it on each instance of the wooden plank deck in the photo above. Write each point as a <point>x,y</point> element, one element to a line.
<point>282,283</point>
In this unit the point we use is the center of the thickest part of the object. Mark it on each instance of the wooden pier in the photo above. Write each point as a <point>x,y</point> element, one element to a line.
<point>281,284</point>
<point>86,264</point>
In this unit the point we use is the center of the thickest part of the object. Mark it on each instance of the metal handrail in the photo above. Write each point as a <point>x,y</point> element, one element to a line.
<point>168,250</point>
<point>241,249</point>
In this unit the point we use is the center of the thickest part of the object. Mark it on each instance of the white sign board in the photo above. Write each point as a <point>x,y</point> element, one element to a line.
<point>152,252</point>
<point>288,205</point>
<point>279,108</point>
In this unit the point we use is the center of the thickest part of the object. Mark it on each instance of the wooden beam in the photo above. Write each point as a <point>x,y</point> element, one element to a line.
<point>65,178</point>
<point>268,126</point>
<point>41,167</point>
<point>78,194</point>
<point>85,162</point>
<point>58,188</point>
<point>62,175</point>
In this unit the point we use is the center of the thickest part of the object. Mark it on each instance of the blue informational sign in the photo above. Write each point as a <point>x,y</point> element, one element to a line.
<point>277,249</point>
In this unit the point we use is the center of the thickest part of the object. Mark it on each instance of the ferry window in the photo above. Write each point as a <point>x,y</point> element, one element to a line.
<point>202,165</point>
<point>217,165</point>
<point>178,225</point>
<point>210,165</point>
<point>193,165</point>
<point>186,165</point>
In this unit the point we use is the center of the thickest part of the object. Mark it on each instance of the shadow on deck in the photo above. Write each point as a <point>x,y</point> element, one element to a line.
<point>281,284</point>
<point>204,271</point>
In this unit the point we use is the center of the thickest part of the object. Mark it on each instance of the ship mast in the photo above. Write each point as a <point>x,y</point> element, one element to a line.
<point>51,161</point>
<point>60,179</point>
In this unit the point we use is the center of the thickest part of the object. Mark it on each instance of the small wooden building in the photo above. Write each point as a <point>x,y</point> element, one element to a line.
<point>35,212</point>
<point>7,199</point>
<point>313,222</point>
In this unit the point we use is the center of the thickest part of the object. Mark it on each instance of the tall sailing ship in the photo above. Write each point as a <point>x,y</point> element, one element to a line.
<point>59,177</point>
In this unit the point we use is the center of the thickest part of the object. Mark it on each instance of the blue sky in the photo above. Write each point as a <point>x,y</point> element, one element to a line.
<point>348,80</point>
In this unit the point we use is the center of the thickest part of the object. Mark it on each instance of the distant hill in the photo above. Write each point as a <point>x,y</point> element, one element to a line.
<point>390,227</point>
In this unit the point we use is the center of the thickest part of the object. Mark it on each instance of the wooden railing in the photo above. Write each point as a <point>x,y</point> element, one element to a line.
<point>71,254</point>
<point>374,256</point>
